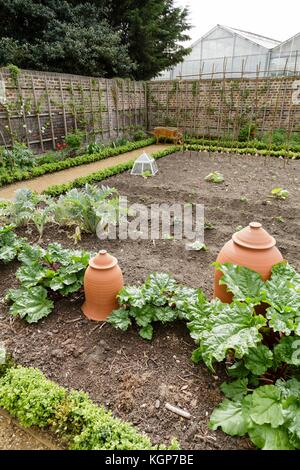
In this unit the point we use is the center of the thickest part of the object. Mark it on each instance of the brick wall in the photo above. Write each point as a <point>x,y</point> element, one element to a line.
<point>40,108</point>
<point>221,107</point>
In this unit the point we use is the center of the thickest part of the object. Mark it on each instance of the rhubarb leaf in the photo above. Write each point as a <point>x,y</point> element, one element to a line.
<point>288,350</point>
<point>267,407</point>
<point>120,319</point>
<point>31,304</point>
<point>146,332</point>
<point>242,282</point>
<point>267,438</point>
<point>226,327</point>
<point>235,390</point>
<point>259,359</point>
<point>232,417</point>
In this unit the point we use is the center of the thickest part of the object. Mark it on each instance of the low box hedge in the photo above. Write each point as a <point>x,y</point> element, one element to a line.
<point>100,175</point>
<point>19,175</point>
<point>81,424</point>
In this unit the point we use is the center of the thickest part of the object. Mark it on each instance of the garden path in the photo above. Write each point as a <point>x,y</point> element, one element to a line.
<point>14,437</point>
<point>41,183</point>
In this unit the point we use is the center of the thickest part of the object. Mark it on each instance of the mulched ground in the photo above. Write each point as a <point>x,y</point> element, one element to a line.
<point>132,377</point>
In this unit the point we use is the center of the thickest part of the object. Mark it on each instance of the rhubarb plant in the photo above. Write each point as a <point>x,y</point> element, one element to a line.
<point>261,349</point>
<point>44,276</point>
<point>159,299</point>
<point>269,414</point>
<point>10,244</point>
<point>237,331</point>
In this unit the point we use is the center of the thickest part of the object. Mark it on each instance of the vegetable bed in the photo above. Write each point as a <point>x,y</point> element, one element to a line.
<point>134,377</point>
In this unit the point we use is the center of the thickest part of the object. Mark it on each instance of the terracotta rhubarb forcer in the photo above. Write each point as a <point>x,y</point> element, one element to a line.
<point>102,281</point>
<point>253,248</point>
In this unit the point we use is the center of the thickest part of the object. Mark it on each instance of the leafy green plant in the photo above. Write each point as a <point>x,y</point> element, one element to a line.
<point>259,348</point>
<point>147,174</point>
<point>94,148</point>
<point>10,244</point>
<point>159,299</point>
<point>215,177</point>
<point>269,414</point>
<point>139,135</point>
<point>277,136</point>
<point>254,147</point>
<point>45,275</point>
<point>247,132</point>
<point>28,207</point>
<point>74,140</point>
<point>198,246</point>
<point>19,156</point>
<point>121,141</point>
<point>14,73</point>
<point>244,328</point>
<point>208,226</point>
<point>88,207</point>
<point>279,193</point>
<point>29,396</point>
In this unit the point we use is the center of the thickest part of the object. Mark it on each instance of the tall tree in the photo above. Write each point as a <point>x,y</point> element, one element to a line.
<point>61,36</point>
<point>153,31</point>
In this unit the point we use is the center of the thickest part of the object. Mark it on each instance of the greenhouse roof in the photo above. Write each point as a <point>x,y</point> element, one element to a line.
<point>292,39</point>
<point>264,41</point>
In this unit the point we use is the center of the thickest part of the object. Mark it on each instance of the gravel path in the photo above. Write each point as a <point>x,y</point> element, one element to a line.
<point>13,437</point>
<point>43,182</point>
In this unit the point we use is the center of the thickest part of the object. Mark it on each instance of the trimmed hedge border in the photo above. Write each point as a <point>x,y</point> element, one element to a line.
<point>243,151</point>
<point>58,189</point>
<point>80,424</point>
<point>237,144</point>
<point>41,170</point>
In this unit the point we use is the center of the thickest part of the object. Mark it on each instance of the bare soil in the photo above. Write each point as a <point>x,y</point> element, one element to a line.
<point>132,377</point>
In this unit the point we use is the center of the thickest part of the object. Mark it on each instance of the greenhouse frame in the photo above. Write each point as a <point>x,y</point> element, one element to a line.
<point>233,53</point>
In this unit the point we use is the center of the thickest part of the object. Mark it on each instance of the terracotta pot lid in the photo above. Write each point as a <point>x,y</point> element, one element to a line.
<point>255,237</point>
<point>103,260</point>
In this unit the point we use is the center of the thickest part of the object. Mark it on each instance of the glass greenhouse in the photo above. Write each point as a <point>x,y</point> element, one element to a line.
<point>234,52</point>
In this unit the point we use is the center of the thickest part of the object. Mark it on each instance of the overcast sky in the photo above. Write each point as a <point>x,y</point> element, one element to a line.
<point>277,20</point>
